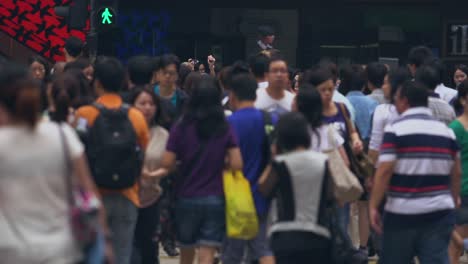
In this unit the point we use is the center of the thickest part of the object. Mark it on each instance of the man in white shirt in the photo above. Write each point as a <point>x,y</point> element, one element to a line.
<point>275,98</point>
<point>445,93</point>
<point>441,110</point>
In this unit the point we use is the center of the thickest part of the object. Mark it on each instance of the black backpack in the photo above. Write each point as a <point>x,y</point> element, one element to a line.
<point>114,156</point>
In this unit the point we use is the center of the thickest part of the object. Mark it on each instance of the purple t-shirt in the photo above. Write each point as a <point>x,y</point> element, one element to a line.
<point>206,176</point>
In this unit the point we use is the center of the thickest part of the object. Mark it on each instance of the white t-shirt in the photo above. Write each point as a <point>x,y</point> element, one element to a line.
<point>34,212</point>
<point>262,85</point>
<point>384,115</point>
<point>445,93</point>
<point>265,102</point>
<point>320,140</point>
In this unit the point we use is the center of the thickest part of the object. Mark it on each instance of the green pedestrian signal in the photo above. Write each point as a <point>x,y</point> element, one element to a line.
<point>106,16</point>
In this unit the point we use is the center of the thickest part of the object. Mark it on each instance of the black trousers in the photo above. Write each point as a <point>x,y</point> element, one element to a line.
<point>303,257</point>
<point>146,247</point>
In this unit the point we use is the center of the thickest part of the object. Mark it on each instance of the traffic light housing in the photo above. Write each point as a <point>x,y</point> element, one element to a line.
<point>76,13</point>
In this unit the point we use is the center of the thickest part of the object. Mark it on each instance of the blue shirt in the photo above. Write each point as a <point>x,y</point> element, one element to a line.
<point>364,107</point>
<point>249,127</point>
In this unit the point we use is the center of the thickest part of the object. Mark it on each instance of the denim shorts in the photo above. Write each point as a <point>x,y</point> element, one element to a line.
<point>200,221</point>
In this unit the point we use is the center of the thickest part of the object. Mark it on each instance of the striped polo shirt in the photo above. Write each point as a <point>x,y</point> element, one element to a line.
<point>424,150</point>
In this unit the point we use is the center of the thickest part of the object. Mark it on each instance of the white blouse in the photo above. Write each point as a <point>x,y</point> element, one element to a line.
<point>320,140</point>
<point>34,210</point>
<point>384,114</point>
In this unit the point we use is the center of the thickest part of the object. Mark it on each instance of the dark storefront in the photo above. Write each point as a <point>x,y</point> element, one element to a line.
<point>343,30</point>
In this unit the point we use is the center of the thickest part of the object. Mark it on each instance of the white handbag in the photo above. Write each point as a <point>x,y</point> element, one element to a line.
<point>346,186</point>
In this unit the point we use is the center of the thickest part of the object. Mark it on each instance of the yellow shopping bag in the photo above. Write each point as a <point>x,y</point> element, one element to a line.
<point>241,216</point>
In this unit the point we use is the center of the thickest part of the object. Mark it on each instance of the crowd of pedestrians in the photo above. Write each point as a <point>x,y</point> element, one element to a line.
<point>101,161</point>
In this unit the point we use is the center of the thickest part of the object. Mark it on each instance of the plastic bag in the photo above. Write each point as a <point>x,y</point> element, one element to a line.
<point>241,216</point>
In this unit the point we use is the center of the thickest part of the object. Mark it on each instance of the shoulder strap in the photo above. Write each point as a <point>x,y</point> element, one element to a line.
<point>349,125</point>
<point>99,106</point>
<point>68,173</point>
<point>125,107</point>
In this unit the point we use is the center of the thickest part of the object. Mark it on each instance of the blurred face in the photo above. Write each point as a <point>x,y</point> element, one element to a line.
<point>89,73</point>
<point>278,74</point>
<point>201,69</point>
<point>168,76</point>
<point>145,104</point>
<point>326,90</point>
<point>387,89</point>
<point>269,39</point>
<point>401,104</point>
<point>459,77</point>
<point>37,70</point>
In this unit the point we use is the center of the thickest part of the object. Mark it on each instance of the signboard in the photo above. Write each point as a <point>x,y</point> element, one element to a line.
<point>455,40</point>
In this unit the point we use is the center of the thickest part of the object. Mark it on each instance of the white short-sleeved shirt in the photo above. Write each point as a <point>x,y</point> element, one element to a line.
<point>445,93</point>
<point>320,139</point>
<point>265,102</point>
<point>262,85</point>
<point>384,115</point>
<point>34,222</point>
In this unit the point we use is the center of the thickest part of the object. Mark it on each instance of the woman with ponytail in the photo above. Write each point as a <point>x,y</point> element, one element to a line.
<point>35,223</point>
<point>65,93</point>
<point>68,92</point>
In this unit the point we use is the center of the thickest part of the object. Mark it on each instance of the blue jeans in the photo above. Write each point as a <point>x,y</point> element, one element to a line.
<point>121,217</point>
<point>343,215</point>
<point>428,241</point>
<point>200,221</point>
<point>95,255</point>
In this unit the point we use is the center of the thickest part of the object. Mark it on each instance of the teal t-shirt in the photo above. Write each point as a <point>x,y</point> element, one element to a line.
<point>173,98</point>
<point>462,138</point>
